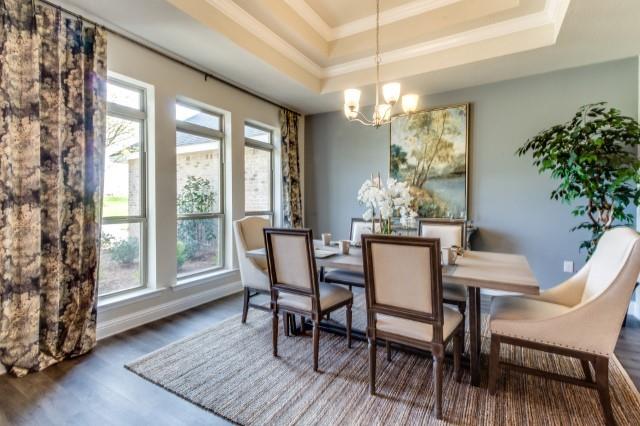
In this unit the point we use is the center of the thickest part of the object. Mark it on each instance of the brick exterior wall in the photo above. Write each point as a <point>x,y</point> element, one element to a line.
<point>206,164</point>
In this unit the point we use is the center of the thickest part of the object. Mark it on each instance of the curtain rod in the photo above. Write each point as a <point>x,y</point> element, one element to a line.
<point>207,75</point>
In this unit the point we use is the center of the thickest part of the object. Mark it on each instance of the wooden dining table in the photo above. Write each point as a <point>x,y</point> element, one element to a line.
<point>475,270</point>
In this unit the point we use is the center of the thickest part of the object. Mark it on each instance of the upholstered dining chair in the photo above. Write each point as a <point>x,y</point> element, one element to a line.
<point>450,233</point>
<point>580,318</point>
<point>403,290</point>
<point>253,271</point>
<point>295,288</point>
<point>352,279</point>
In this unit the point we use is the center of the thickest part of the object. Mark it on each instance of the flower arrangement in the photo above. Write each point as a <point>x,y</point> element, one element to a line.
<point>392,200</point>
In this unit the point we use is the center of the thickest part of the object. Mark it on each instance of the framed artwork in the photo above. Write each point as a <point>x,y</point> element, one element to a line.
<point>430,151</point>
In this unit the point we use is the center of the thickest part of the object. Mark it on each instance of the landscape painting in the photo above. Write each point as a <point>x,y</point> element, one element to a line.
<point>429,152</point>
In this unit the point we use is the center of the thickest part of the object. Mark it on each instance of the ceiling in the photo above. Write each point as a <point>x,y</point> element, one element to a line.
<point>303,53</point>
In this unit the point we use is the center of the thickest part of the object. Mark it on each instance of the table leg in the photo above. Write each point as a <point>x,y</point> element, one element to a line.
<point>474,332</point>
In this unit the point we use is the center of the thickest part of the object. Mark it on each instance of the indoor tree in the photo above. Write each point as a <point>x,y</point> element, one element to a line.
<point>594,158</point>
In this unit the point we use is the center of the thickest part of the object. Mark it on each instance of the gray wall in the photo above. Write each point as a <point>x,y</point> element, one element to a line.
<point>509,201</point>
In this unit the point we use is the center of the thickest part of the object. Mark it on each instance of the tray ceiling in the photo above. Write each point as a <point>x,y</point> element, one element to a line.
<point>328,45</point>
<point>270,46</point>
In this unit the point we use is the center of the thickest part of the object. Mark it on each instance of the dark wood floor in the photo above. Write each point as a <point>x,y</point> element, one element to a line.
<point>97,390</point>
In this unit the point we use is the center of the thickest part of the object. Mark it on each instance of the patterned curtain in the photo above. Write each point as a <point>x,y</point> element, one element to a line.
<point>52,132</point>
<point>292,198</point>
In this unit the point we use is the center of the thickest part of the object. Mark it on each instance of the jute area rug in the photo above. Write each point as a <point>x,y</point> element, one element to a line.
<point>229,370</point>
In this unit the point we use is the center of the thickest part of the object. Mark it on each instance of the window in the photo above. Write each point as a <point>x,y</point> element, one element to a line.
<point>200,195</point>
<point>258,171</point>
<point>124,217</point>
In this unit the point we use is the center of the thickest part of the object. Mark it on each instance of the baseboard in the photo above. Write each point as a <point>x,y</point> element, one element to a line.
<point>126,322</point>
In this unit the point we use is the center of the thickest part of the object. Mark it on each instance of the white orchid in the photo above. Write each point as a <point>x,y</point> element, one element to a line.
<point>392,200</point>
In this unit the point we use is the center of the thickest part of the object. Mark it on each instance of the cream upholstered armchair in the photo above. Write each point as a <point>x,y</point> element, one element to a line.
<point>580,318</point>
<point>253,271</point>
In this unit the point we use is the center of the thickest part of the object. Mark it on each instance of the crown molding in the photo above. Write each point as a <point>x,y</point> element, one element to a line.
<point>399,13</point>
<point>258,29</point>
<point>552,14</point>
<point>389,16</point>
<point>306,12</point>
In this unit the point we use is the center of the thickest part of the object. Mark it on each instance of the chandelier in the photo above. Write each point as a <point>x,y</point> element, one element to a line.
<point>390,92</point>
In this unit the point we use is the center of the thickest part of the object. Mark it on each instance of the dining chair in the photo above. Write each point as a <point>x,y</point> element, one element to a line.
<point>295,288</point>
<point>450,233</point>
<point>579,318</point>
<point>351,279</point>
<point>403,290</point>
<point>253,271</point>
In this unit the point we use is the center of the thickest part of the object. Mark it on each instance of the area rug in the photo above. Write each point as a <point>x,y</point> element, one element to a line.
<point>229,370</point>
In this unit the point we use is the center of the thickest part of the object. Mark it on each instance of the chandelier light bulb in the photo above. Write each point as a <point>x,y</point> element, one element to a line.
<point>410,103</point>
<point>382,113</point>
<point>352,99</point>
<point>350,112</point>
<point>391,92</point>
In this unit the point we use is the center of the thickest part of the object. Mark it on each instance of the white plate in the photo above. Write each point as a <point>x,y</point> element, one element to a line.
<point>321,254</point>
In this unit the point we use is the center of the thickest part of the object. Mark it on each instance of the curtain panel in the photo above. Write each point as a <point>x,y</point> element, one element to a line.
<point>291,192</point>
<point>52,136</point>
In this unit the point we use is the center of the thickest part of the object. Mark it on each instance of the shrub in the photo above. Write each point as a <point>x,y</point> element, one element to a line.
<point>125,252</point>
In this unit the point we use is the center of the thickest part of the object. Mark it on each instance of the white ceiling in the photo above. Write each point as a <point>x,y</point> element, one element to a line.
<point>592,31</point>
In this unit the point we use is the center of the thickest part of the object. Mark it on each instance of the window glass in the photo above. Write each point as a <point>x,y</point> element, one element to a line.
<point>257,179</point>
<point>122,168</point>
<point>124,96</point>
<point>257,134</point>
<point>120,258</point>
<point>199,244</point>
<point>197,173</point>
<point>193,115</point>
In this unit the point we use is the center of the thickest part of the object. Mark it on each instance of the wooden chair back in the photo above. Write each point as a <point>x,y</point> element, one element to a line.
<point>292,263</point>
<point>359,227</point>
<point>403,278</point>
<point>449,232</point>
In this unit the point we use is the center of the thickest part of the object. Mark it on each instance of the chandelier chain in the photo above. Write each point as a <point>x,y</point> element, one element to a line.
<point>378,58</point>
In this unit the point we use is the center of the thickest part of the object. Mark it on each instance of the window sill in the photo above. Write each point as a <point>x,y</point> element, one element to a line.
<point>118,300</point>
<point>205,279</point>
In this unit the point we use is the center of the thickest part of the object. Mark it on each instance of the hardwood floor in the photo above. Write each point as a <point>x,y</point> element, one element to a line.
<point>96,389</point>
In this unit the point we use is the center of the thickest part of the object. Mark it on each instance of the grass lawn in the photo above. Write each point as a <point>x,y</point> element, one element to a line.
<point>114,205</point>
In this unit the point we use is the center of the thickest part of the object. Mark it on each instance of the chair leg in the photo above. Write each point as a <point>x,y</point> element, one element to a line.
<point>602,383</point>
<point>328,316</point>
<point>274,331</point>
<point>462,308</point>
<point>388,348</point>
<point>316,344</point>
<point>245,305</point>
<point>302,325</point>
<point>349,326</point>
<point>285,323</point>
<point>437,382</point>
<point>587,370</point>
<point>494,363</point>
<point>372,366</point>
<point>457,354</point>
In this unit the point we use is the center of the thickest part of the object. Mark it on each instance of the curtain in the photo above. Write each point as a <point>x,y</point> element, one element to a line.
<point>52,135</point>
<point>292,197</point>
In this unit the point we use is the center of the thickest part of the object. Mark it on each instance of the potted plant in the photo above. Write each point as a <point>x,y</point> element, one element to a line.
<point>594,158</point>
<point>387,202</point>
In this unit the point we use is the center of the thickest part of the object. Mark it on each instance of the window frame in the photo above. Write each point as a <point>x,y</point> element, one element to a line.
<point>263,146</point>
<point>141,116</point>
<point>217,135</point>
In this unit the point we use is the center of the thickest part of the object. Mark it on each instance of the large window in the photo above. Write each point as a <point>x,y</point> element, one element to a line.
<point>124,204</point>
<point>258,171</point>
<point>200,197</point>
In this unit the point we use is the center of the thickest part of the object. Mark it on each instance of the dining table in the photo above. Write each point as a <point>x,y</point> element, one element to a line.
<point>475,270</point>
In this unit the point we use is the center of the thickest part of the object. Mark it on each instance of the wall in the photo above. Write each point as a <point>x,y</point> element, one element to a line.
<point>509,201</point>
<point>167,81</point>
